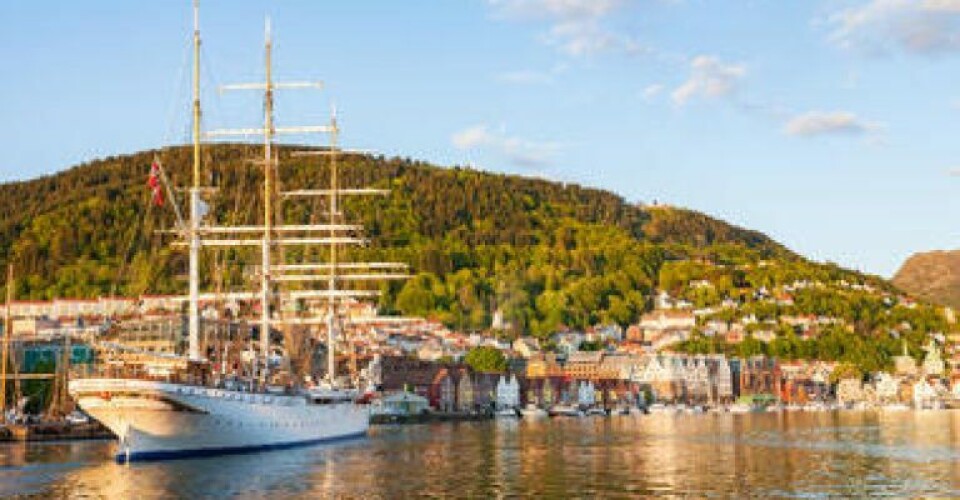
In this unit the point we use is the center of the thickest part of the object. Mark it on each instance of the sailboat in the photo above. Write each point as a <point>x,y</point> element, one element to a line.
<point>174,405</point>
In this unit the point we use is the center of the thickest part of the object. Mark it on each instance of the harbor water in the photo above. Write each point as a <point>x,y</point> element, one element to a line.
<point>787,455</point>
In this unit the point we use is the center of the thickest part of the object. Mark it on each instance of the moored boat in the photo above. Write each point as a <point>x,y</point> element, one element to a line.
<point>506,413</point>
<point>532,411</point>
<point>565,411</point>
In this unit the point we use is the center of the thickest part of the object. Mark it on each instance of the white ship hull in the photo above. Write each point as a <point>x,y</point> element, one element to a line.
<point>157,420</point>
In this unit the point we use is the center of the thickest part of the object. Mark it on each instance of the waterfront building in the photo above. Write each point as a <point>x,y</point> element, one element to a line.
<point>586,393</point>
<point>696,377</point>
<point>802,381</point>
<point>759,375</point>
<point>544,391</point>
<point>722,379</point>
<point>543,365</point>
<point>465,394</point>
<point>849,391</point>
<point>397,373</point>
<point>485,390</point>
<point>663,377</point>
<point>887,388</point>
<point>443,393</point>
<point>508,392</point>
<point>583,365</point>
<point>620,365</point>
<point>401,404</point>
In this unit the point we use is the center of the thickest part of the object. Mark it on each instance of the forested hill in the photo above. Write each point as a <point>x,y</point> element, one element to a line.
<point>544,253</point>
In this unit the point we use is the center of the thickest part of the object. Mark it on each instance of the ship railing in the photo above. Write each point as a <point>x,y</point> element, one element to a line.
<point>208,380</point>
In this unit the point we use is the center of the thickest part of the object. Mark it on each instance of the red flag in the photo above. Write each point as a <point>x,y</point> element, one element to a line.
<point>154,183</point>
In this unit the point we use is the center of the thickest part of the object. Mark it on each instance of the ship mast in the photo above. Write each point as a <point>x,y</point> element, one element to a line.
<point>268,133</point>
<point>332,278</point>
<point>7,326</point>
<point>194,305</point>
<point>276,233</point>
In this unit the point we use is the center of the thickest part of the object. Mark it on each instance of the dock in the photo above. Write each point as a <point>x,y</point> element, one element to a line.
<point>54,431</point>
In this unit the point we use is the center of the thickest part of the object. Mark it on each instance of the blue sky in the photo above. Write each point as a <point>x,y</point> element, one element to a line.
<point>830,125</point>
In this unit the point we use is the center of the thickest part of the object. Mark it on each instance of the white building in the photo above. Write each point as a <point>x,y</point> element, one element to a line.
<point>887,388</point>
<point>586,393</point>
<point>508,392</point>
<point>722,379</point>
<point>696,377</point>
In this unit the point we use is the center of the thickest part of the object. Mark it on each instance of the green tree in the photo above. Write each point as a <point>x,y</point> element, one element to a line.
<point>486,359</point>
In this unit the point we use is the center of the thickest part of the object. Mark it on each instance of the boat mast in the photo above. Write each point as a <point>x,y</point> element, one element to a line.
<point>332,279</point>
<point>267,206</point>
<point>7,323</point>
<point>194,306</point>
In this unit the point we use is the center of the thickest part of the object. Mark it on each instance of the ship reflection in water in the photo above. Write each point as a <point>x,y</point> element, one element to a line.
<point>790,454</point>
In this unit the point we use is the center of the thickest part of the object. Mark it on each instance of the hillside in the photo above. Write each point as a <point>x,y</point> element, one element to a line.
<point>932,276</point>
<point>546,255</point>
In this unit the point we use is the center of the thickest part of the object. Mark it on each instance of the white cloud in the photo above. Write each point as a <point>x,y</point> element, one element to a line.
<point>709,78</point>
<point>942,5</point>
<point>650,92</point>
<point>577,27</point>
<point>815,123</point>
<point>916,26</point>
<point>518,151</point>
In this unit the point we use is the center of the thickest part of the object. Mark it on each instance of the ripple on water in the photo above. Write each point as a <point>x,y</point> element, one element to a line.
<point>795,456</point>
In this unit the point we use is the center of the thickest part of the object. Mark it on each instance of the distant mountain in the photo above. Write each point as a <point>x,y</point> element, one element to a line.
<point>932,276</point>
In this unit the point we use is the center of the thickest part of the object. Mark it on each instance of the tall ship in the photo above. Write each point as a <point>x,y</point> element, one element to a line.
<point>241,393</point>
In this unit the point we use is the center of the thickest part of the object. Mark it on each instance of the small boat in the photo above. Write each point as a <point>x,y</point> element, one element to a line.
<point>532,411</point>
<point>506,413</point>
<point>739,408</point>
<point>597,412</point>
<point>895,407</point>
<point>565,411</point>
<point>661,408</point>
<point>623,410</point>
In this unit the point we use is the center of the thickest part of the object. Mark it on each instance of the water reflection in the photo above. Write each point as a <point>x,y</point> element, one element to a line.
<point>789,454</point>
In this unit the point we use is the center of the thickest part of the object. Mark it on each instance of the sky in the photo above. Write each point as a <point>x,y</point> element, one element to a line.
<point>830,125</point>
